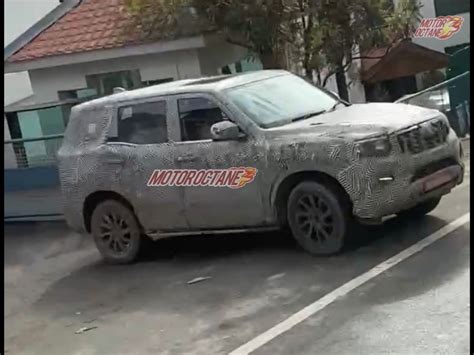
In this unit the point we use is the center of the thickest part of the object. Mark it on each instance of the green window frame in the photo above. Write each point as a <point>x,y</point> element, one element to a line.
<point>451,7</point>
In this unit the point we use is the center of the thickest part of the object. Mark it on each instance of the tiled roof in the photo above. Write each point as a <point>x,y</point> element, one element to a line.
<point>92,25</point>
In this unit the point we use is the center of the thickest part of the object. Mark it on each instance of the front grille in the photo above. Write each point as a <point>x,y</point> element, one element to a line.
<point>423,137</point>
<point>433,167</point>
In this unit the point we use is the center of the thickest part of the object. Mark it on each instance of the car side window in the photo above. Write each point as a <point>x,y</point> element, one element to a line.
<point>196,116</point>
<point>143,123</point>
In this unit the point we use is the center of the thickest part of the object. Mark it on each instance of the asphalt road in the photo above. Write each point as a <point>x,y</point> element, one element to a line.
<point>55,284</point>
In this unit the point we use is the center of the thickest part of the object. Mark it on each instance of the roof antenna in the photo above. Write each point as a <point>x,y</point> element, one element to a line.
<point>118,89</point>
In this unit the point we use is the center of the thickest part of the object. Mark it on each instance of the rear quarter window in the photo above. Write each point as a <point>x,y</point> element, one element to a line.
<point>143,123</point>
<point>86,125</point>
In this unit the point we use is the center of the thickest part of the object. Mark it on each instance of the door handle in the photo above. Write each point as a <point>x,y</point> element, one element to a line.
<point>186,158</point>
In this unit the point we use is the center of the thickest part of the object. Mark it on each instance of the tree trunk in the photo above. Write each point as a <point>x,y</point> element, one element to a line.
<point>318,77</point>
<point>270,61</point>
<point>342,84</point>
<point>307,47</point>
<point>309,74</point>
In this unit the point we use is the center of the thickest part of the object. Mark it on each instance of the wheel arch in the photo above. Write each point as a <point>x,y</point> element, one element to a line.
<point>284,187</point>
<point>92,200</point>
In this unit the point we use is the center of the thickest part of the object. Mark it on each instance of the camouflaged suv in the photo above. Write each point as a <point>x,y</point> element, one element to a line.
<point>255,151</point>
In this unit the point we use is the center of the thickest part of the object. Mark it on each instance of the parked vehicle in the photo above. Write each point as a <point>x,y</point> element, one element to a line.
<point>254,151</point>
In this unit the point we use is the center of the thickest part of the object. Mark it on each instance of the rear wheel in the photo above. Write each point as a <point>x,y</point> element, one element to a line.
<point>421,209</point>
<point>116,232</point>
<point>319,217</point>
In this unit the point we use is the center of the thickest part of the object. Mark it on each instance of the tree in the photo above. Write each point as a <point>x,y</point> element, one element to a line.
<point>334,33</point>
<point>321,33</point>
<point>261,26</point>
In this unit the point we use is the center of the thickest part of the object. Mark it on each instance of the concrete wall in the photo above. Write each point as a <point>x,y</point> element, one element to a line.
<point>179,65</point>
<point>16,87</point>
<point>216,55</point>
<point>39,177</point>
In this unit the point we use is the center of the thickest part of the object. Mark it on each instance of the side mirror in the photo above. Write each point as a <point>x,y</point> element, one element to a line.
<point>224,131</point>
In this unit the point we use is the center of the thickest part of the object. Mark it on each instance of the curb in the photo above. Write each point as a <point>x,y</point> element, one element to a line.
<point>33,219</point>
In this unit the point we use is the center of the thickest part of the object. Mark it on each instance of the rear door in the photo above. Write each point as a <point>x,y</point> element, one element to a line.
<point>140,145</point>
<point>224,205</point>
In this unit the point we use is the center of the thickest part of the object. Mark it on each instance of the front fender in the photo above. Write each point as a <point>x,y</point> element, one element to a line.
<point>298,159</point>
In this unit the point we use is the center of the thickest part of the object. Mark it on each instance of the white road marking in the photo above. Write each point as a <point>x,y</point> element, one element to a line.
<point>341,291</point>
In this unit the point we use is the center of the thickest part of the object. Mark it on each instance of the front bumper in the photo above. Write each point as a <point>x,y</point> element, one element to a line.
<point>384,186</point>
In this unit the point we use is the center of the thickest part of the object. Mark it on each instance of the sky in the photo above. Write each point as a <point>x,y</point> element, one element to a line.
<point>19,16</point>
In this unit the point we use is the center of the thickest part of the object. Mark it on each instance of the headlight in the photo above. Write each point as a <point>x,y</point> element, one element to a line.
<point>375,147</point>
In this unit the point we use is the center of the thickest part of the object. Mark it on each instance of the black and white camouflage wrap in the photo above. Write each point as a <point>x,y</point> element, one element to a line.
<point>327,144</point>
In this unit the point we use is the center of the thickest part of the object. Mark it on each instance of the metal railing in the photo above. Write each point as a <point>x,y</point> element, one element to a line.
<point>42,151</point>
<point>32,152</point>
<point>450,97</point>
<point>438,87</point>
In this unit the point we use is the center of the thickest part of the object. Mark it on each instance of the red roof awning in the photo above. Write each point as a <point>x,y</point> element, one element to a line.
<point>402,59</point>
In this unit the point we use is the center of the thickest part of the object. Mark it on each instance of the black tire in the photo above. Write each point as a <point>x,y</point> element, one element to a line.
<point>421,209</point>
<point>319,217</point>
<point>116,232</point>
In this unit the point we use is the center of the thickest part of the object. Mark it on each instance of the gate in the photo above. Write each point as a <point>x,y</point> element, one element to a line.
<point>31,181</point>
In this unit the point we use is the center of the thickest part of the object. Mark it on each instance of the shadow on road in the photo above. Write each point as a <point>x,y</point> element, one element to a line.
<point>239,266</point>
<point>27,243</point>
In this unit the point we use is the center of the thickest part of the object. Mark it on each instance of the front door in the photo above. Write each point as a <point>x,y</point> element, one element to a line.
<point>226,191</point>
<point>140,146</point>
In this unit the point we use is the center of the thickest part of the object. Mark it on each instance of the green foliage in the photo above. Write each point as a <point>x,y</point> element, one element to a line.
<point>320,33</point>
<point>341,28</point>
<point>262,26</point>
<point>162,19</point>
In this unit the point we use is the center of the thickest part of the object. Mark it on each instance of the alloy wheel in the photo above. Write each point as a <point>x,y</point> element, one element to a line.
<point>314,218</point>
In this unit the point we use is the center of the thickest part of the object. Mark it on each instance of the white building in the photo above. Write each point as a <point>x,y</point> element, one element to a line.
<point>436,8</point>
<point>80,49</point>
<point>429,53</point>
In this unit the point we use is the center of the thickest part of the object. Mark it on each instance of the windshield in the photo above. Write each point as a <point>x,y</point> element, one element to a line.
<point>280,100</point>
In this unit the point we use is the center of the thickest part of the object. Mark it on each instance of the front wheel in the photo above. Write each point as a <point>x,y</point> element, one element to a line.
<point>421,209</point>
<point>319,217</point>
<point>116,232</point>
